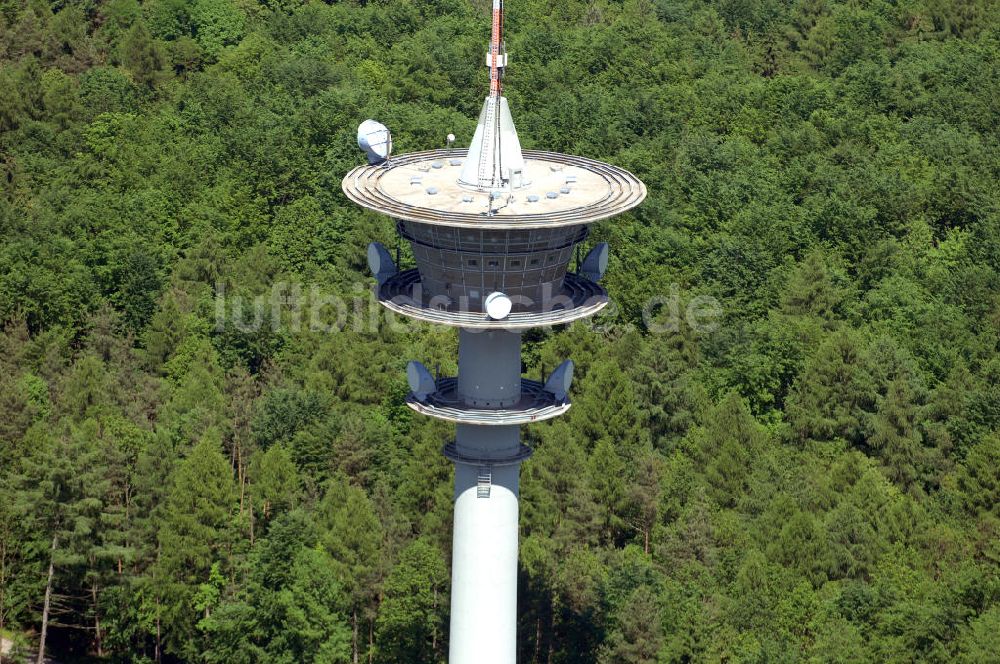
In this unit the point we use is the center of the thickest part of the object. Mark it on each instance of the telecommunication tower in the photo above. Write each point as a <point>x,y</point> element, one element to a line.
<point>492,230</point>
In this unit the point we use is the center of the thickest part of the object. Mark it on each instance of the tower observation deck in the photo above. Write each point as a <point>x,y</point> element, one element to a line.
<point>493,230</point>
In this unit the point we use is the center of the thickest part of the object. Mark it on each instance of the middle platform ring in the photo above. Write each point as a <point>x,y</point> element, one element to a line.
<point>535,405</point>
<point>579,298</point>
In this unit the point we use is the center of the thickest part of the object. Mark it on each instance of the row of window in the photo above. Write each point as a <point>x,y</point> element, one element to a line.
<point>513,262</point>
<point>456,259</point>
<point>510,242</point>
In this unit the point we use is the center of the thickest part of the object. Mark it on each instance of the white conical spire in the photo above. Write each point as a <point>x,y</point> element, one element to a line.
<point>494,160</point>
<point>495,152</point>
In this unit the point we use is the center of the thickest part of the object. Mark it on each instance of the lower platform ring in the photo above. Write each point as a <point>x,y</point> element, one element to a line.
<point>579,298</point>
<point>535,405</point>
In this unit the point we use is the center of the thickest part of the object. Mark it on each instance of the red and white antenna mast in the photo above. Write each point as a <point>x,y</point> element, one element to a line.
<point>494,160</point>
<point>496,46</point>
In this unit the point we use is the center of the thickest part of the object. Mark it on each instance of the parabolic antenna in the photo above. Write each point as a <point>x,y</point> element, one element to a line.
<point>560,380</point>
<point>596,263</point>
<point>498,306</point>
<point>420,379</point>
<point>380,262</point>
<point>374,138</point>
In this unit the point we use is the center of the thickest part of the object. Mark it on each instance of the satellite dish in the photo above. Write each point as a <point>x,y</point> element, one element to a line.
<point>374,138</point>
<point>596,263</point>
<point>420,379</point>
<point>380,262</point>
<point>498,306</point>
<point>560,380</point>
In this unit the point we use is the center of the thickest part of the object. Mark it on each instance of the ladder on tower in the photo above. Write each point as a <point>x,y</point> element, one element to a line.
<point>485,481</point>
<point>487,156</point>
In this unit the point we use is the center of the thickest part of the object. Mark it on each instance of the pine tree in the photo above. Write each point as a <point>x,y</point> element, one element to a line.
<point>315,612</point>
<point>638,634</point>
<point>605,407</point>
<point>895,437</point>
<point>275,485</point>
<point>813,290</point>
<point>979,477</point>
<point>111,445</point>
<point>643,498</point>
<point>141,55</point>
<point>195,401</point>
<point>58,496</point>
<point>661,373</point>
<point>196,531</point>
<point>559,514</point>
<point>608,481</point>
<point>352,535</point>
<point>832,397</point>
<point>165,332</point>
<point>411,619</point>
<point>726,446</point>
<point>19,409</point>
<point>289,609</point>
<point>801,545</point>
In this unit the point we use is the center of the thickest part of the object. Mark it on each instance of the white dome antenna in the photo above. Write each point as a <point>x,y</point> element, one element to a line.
<point>498,306</point>
<point>376,140</point>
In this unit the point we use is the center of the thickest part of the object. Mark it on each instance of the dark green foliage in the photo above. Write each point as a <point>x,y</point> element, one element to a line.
<point>411,620</point>
<point>289,608</point>
<point>141,55</point>
<point>979,478</point>
<point>813,478</point>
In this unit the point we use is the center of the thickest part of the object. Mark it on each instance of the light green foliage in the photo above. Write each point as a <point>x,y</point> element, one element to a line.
<point>353,536</point>
<point>216,24</point>
<point>979,641</point>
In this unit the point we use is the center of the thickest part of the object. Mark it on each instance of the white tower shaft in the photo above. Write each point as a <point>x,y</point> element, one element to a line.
<point>484,547</point>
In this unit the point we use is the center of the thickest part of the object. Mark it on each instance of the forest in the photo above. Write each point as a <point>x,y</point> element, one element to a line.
<point>189,472</point>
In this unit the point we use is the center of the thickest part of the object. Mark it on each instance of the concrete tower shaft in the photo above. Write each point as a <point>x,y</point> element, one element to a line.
<point>489,368</point>
<point>484,567</point>
<point>485,535</point>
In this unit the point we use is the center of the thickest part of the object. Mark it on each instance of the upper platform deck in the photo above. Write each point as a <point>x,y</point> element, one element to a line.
<point>560,190</point>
